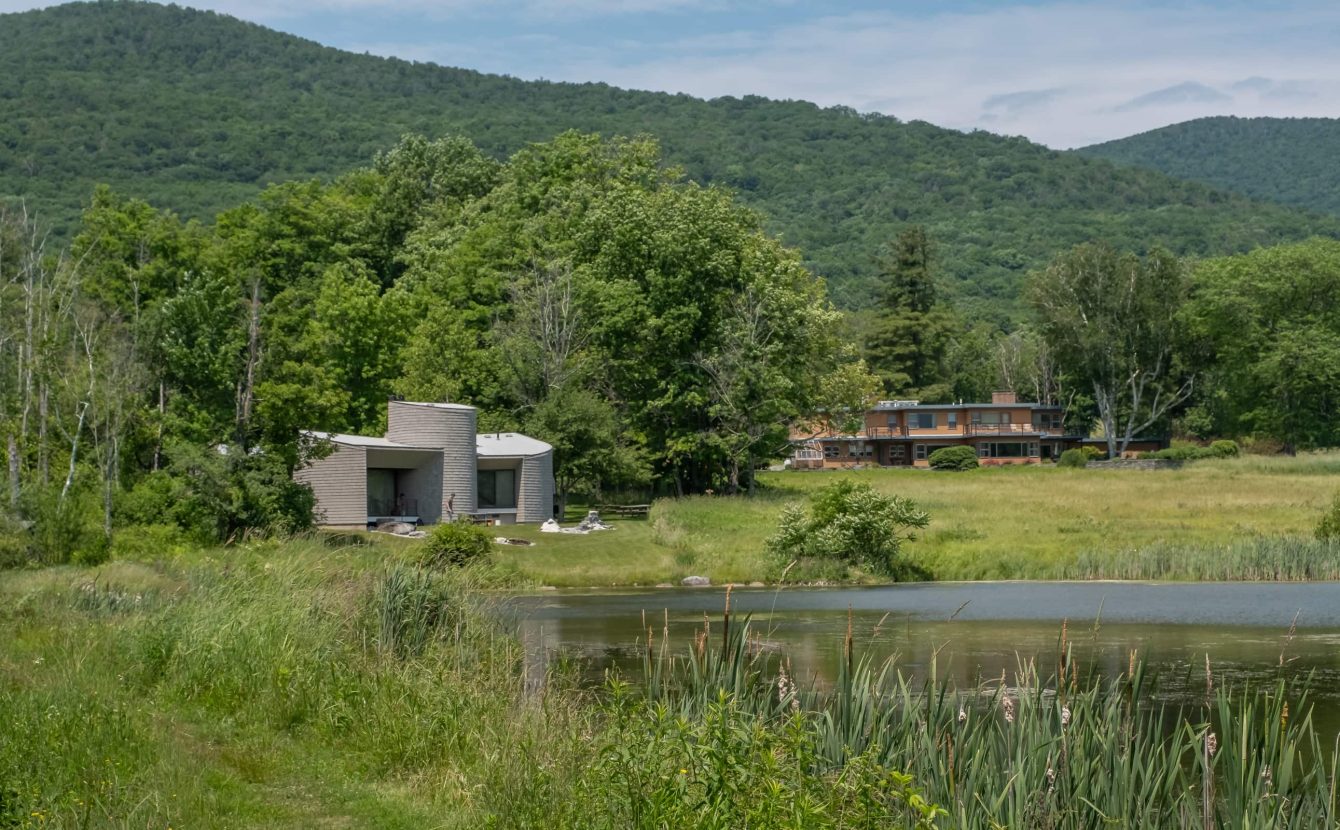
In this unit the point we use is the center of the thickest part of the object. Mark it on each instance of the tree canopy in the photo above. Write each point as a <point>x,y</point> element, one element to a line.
<point>196,112</point>
<point>1292,161</point>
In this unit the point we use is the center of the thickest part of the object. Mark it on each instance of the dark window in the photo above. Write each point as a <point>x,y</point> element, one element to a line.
<point>923,420</point>
<point>952,419</point>
<point>497,489</point>
<point>1003,450</point>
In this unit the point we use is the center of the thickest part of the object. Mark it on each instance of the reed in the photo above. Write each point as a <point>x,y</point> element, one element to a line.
<point>1034,750</point>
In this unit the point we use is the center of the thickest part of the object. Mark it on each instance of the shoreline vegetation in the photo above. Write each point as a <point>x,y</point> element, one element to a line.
<point>294,684</point>
<point>1251,518</point>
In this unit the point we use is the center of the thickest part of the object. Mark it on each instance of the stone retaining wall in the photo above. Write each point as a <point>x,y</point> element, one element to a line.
<point>1137,464</point>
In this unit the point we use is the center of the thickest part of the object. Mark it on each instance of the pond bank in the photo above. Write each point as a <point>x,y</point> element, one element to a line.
<point>1243,518</point>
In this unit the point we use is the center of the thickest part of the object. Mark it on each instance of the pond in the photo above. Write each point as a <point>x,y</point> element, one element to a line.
<point>970,632</point>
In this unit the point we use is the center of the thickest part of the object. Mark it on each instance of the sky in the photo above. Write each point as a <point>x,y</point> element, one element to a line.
<point>1065,74</point>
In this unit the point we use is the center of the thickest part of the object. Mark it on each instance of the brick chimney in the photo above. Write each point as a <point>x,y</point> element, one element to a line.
<point>1004,397</point>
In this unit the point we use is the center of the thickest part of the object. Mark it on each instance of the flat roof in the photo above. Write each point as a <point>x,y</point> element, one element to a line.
<point>1021,405</point>
<point>487,444</point>
<point>508,445</point>
<point>366,441</point>
<point>435,405</point>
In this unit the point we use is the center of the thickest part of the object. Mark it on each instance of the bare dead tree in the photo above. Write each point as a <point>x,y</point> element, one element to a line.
<point>547,336</point>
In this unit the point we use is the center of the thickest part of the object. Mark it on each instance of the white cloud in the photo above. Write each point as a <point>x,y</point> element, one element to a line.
<point>979,69</point>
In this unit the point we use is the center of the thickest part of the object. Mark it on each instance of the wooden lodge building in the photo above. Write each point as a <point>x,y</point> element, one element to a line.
<point>905,433</point>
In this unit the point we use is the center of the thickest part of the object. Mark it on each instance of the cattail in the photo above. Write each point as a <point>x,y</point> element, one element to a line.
<point>962,715</point>
<point>1266,776</point>
<point>1008,705</point>
<point>1211,743</point>
<point>1284,716</point>
<point>1065,716</point>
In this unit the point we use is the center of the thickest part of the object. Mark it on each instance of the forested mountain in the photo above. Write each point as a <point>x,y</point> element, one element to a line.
<point>1293,161</point>
<point>195,111</point>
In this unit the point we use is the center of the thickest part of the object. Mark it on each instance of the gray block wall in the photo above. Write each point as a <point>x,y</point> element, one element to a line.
<point>449,428</point>
<point>535,490</point>
<point>426,482</point>
<point>340,483</point>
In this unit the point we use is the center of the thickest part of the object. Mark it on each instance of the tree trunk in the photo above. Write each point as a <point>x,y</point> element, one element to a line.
<point>43,458</point>
<point>13,449</point>
<point>162,414</point>
<point>247,390</point>
<point>74,453</point>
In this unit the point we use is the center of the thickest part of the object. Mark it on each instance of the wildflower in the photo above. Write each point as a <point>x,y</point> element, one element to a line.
<point>1065,716</point>
<point>683,772</point>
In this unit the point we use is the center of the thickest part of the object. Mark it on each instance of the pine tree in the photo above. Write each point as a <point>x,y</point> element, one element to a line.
<point>912,334</point>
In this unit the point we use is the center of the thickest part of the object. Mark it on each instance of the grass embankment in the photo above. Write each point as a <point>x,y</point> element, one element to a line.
<point>1244,518</point>
<point>301,686</point>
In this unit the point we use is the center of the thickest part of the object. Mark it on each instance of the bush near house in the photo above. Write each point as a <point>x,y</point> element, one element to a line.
<point>454,545</point>
<point>1191,452</point>
<point>1073,458</point>
<point>954,458</point>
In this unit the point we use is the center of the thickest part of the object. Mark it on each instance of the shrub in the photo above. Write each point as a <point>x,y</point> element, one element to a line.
<point>1328,529</point>
<point>14,547</point>
<point>1225,449</point>
<point>849,522</point>
<point>95,549</point>
<point>455,544</point>
<point>149,542</point>
<point>954,458</point>
<point>1073,458</point>
<point>1093,453</point>
<point>1191,452</point>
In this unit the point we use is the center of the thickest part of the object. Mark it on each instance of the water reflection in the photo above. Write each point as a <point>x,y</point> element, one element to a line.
<point>977,631</point>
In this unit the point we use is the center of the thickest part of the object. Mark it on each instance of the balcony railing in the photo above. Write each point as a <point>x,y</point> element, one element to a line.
<point>960,430</point>
<point>1009,429</point>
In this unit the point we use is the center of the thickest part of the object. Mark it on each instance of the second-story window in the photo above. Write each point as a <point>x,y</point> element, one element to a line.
<point>923,420</point>
<point>951,419</point>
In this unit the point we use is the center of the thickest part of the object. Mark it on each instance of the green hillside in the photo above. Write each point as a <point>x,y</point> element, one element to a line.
<point>195,111</point>
<point>1293,161</point>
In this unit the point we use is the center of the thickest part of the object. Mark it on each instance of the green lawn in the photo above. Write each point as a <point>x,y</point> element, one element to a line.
<point>998,523</point>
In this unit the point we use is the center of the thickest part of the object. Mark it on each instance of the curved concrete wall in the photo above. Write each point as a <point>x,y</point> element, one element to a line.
<point>450,427</point>
<point>535,490</point>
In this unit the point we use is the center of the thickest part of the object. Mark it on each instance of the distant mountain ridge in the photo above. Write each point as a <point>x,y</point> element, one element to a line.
<point>1292,161</point>
<point>196,111</point>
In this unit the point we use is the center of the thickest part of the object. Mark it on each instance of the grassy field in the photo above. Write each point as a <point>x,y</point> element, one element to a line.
<point>300,685</point>
<point>1236,518</point>
<point>261,686</point>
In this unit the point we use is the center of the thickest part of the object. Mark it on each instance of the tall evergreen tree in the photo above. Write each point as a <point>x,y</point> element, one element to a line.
<point>912,335</point>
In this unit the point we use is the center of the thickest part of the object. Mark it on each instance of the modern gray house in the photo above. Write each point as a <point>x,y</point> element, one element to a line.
<point>431,466</point>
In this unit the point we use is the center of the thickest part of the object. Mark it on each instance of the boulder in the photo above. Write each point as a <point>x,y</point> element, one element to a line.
<point>695,581</point>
